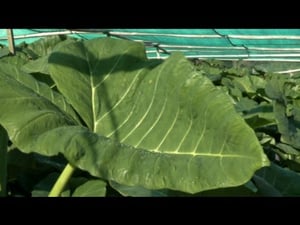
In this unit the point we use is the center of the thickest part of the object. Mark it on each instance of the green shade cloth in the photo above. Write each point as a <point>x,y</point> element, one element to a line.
<point>229,44</point>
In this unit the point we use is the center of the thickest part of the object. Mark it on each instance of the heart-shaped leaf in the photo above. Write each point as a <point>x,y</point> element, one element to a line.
<point>149,123</point>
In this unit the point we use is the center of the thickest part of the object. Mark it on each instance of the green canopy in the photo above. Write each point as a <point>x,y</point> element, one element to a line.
<point>223,44</point>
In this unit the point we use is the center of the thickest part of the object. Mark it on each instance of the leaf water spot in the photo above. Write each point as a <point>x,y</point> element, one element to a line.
<point>124,173</point>
<point>150,81</point>
<point>193,182</point>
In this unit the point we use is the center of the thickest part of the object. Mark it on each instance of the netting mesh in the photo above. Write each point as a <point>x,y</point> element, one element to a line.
<point>223,44</point>
<point>229,44</point>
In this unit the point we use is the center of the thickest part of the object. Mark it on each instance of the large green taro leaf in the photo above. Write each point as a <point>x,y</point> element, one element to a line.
<point>150,124</point>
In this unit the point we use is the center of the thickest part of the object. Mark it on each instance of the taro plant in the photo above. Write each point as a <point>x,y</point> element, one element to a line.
<point>126,120</point>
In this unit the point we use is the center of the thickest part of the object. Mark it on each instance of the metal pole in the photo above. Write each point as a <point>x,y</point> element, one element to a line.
<point>11,43</point>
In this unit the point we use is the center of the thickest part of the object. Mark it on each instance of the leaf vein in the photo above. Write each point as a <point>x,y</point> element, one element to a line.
<point>154,124</point>
<point>169,130</point>
<point>148,109</point>
<point>120,100</point>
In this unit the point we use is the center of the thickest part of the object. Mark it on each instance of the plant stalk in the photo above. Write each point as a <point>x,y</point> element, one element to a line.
<point>3,161</point>
<point>62,181</point>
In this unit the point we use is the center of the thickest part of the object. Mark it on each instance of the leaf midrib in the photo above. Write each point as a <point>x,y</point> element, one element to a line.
<point>203,154</point>
<point>94,87</point>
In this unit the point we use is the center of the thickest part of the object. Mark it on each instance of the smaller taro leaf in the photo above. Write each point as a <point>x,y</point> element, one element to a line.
<point>280,181</point>
<point>213,73</point>
<point>18,59</point>
<point>40,65</point>
<point>265,188</point>
<point>23,79</point>
<point>76,181</point>
<point>22,55</point>
<point>233,91</point>
<point>238,69</point>
<point>288,149</point>
<point>91,188</point>
<point>249,84</point>
<point>258,122</point>
<point>263,110</point>
<point>275,87</point>
<point>287,152</point>
<point>264,138</point>
<point>259,115</point>
<point>245,105</point>
<point>45,46</point>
